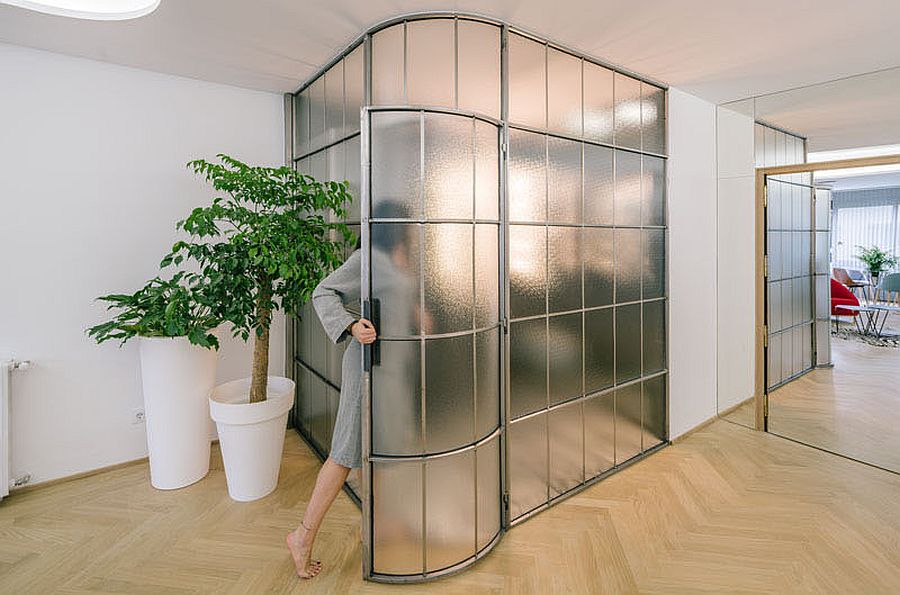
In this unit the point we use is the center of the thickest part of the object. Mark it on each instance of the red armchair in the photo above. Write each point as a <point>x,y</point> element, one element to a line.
<point>841,296</point>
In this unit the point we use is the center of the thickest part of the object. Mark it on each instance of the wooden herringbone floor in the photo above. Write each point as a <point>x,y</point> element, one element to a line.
<point>728,510</point>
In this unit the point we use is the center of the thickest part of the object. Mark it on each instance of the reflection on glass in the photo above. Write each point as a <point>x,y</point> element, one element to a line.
<point>528,481</point>
<point>431,77</point>
<point>449,397</point>
<point>566,448</point>
<point>388,66</point>
<point>564,268</point>
<point>478,53</point>
<point>628,343</point>
<point>598,103</point>
<point>628,188</point>
<point>598,185</point>
<point>449,510</point>
<point>527,366</point>
<point>628,111</point>
<point>448,167</point>
<point>599,266</point>
<point>564,354</point>
<point>527,176</point>
<point>527,82</point>
<point>397,518</point>
<point>564,92</point>
<point>527,270</point>
<point>395,164</point>
<point>563,180</point>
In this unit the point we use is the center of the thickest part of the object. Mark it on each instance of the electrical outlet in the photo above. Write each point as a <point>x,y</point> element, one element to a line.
<point>138,417</point>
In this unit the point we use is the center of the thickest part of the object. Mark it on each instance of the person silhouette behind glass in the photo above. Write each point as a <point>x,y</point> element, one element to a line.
<point>396,422</point>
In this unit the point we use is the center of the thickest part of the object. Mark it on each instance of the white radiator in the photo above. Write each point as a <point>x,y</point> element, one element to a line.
<point>6,370</point>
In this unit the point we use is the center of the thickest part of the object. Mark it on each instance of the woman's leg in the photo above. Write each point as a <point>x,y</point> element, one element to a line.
<point>300,541</point>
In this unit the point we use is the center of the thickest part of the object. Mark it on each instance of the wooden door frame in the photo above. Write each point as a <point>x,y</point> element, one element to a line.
<point>759,390</point>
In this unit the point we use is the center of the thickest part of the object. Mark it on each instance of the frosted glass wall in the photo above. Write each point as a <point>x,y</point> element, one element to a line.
<point>514,221</point>
<point>586,270</point>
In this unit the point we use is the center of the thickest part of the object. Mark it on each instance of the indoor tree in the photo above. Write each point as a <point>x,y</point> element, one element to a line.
<point>262,245</point>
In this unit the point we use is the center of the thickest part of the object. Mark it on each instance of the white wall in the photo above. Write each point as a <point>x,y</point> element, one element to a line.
<point>736,257</point>
<point>93,159</point>
<point>692,261</point>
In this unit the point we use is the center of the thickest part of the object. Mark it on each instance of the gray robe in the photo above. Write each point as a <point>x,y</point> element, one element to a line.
<point>330,299</point>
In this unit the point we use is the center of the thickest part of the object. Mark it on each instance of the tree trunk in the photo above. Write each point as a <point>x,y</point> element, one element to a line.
<point>260,383</point>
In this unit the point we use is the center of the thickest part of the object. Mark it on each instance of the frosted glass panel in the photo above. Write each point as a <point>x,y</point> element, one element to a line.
<point>395,275</point>
<point>449,396</point>
<point>527,270</point>
<point>487,171</point>
<point>564,354</point>
<point>653,191</point>
<point>599,433</point>
<point>487,382</point>
<point>598,185</point>
<point>599,266</point>
<point>566,448</point>
<point>564,92</point>
<point>628,265</point>
<point>527,176</point>
<point>334,103</point>
<point>388,66</point>
<point>317,114</point>
<point>527,464</point>
<point>628,111</point>
<point>654,412</point>
<point>353,89</point>
<point>449,167</point>
<point>527,366</point>
<point>773,355</point>
<point>430,72</point>
<point>448,278</point>
<point>564,268</point>
<point>396,182</point>
<point>397,399</point>
<point>654,333</point>
<point>628,422</point>
<point>488,469</point>
<point>478,51</point>
<point>449,510</point>
<point>564,180</point>
<point>598,103</point>
<point>599,357</point>
<point>318,413</point>
<point>397,518</point>
<point>628,343</point>
<point>628,188</point>
<point>654,263</point>
<point>823,209</point>
<point>301,123</point>
<point>487,275</point>
<point>527,82</point>
<point>351,175</point>
<point>653,119</point>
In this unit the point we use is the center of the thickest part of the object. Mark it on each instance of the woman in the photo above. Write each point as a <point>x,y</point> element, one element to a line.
<point>395,283</point>
<point>340,288</point>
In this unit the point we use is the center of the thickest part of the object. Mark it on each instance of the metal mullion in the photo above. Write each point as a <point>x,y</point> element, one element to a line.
<point>596,143</point>
<point>324,148</point>
<point>503,281</point>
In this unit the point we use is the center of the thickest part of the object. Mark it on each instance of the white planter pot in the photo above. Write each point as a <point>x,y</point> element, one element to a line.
<point>251,435</point>
<point>177,378</point>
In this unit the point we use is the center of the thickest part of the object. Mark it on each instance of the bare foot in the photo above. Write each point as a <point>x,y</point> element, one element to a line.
<point>300,552</point>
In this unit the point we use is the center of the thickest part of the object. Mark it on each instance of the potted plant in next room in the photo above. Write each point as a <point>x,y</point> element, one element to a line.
<point>173,320</point>
<point>264,246</point>
<point>876,260</point>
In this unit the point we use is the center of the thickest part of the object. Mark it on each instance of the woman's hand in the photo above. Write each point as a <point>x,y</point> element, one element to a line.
<point>364,331</point>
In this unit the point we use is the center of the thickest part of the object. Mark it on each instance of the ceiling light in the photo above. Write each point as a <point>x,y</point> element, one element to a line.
<point>97,10</point>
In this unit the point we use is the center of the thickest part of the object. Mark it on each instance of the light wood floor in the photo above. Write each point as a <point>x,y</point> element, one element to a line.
<point>728,510</point>
<point>852,409</point>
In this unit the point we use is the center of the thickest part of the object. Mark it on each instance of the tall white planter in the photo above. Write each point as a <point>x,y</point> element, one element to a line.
<point>177,378</point>
<point>251,435</point>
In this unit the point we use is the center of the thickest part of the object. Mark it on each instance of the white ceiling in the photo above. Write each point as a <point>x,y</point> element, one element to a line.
<point>718,50</point>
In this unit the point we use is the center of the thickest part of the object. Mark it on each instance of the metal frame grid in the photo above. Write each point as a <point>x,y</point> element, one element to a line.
<point>503,123</point>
